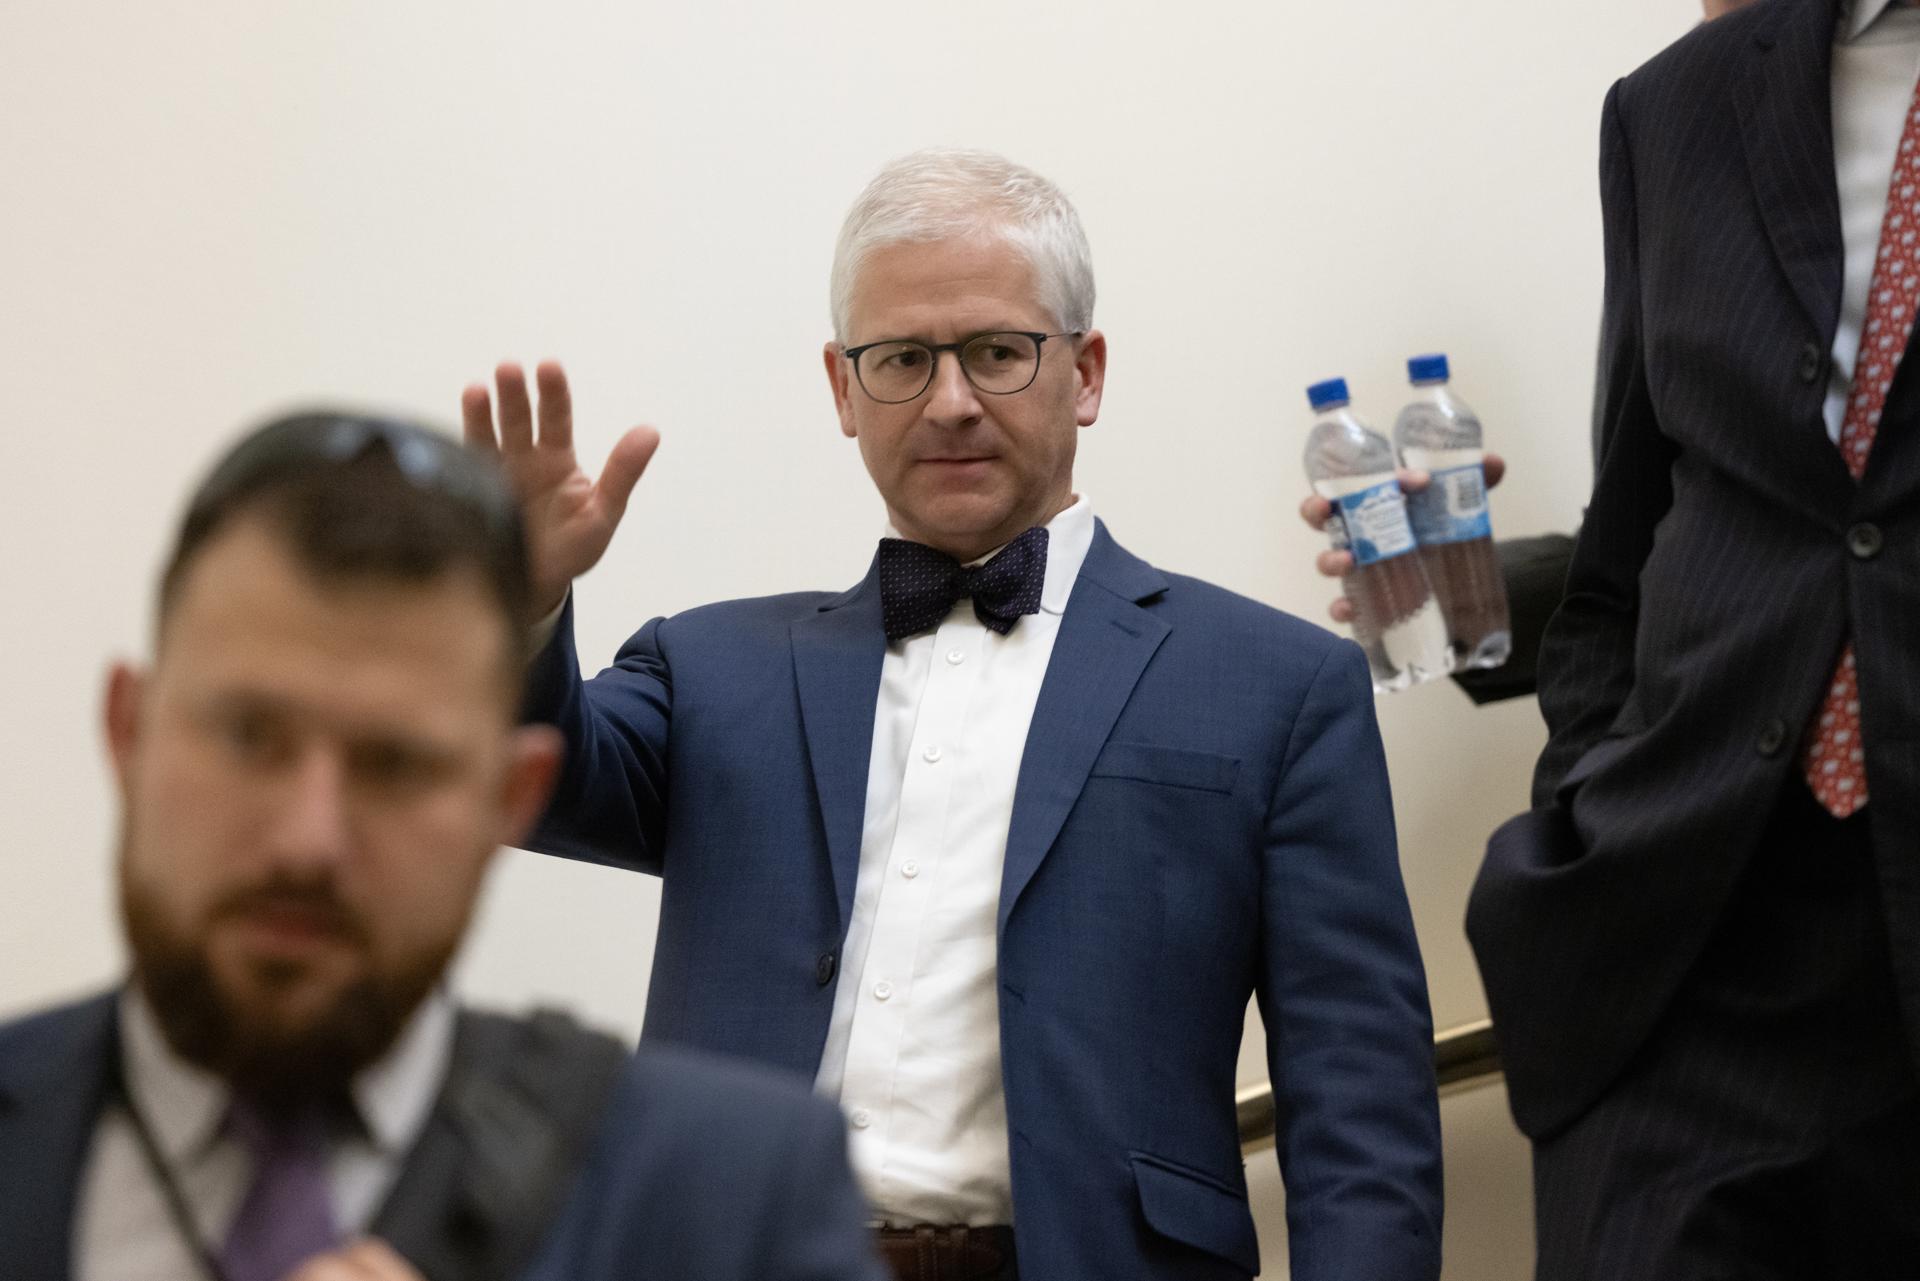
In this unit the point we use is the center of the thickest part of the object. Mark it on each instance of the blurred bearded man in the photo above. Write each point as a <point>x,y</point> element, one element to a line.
<point>314,774</point>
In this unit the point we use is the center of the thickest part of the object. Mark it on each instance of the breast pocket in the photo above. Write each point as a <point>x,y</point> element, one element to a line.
<point>1168,766</point>
<point>1153,843</point>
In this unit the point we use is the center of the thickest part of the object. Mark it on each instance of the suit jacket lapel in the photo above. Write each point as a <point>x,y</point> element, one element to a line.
<point>1105,641</point>
<point>50,1099</point>
<point>837,653</point>
<point>476,1190</point>
<point>1784,100</point>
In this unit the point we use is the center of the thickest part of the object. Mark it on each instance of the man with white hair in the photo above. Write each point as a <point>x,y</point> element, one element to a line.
<point>994,846</point>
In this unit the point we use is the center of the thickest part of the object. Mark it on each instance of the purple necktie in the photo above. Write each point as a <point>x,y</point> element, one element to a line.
<point>286,1216</point>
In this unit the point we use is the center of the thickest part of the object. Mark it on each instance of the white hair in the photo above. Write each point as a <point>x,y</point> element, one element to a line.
<point>949,193</point>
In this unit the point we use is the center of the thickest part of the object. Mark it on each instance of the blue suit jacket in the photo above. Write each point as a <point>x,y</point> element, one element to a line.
<point>697,1168</point>
<point>715,1170</point>
<point>1201,813</point>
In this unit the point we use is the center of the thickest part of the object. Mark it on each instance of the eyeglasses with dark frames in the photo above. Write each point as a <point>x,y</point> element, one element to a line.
<point>894,371</point>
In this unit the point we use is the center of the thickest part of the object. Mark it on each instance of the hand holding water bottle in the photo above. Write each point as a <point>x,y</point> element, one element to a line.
<point>1439,431</point>
<point>1395,616</point>
<point>1315,511</point>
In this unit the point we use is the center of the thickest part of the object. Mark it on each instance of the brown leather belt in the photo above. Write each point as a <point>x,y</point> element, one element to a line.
<point>928,1253</point>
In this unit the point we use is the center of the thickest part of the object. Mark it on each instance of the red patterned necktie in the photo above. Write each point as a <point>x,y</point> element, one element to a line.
<point>1834,760</point>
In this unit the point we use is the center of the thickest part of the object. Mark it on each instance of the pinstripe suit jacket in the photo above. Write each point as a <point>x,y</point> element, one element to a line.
<point>1725,557</point>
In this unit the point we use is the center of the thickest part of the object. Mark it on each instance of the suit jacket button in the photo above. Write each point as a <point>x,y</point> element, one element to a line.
<point>1812,362</point>
<point>823,968</point>
<point>1771,738</point>
<point>1864,541</point>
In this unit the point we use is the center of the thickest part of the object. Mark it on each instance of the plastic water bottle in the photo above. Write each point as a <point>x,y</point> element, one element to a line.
<point>1436,433</point>
<point>1395,617</point>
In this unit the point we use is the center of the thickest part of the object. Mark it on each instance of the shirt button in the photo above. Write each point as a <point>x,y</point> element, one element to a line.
<point>882,990</point>
<point>956,656</point>
<point>1813,363</point>
<point>909,869</point>
<point>861,1118</point>
<point>1864,541</point>
<point>931,755</point>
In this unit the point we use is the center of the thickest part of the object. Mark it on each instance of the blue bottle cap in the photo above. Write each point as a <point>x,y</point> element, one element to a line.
<point>1331,392</point>
<point>1427,369</point>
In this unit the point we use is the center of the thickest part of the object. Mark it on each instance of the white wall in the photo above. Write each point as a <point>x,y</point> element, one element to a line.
<point>207,211</point>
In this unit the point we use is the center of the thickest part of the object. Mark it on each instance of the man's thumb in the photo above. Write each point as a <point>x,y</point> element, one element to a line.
<point>630,456</point>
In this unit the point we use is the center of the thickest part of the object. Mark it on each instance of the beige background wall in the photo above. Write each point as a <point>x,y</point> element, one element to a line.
<point>212,210</point>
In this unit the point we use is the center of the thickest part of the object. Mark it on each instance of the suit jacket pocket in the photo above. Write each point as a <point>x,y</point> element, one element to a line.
<point>1169,766</point>
<point>1604,752</point>
<point>1196,1209</point>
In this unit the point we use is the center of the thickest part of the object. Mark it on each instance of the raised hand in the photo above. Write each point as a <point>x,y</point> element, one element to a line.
<point>1316,510</point>
<point>570,516</point>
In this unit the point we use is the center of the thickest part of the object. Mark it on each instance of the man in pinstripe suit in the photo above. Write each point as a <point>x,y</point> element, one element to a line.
<point>1707,984</point>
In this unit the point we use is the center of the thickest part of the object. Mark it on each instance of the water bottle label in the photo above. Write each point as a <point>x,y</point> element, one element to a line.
<point>1453,509</point>
<point>1374,523</point>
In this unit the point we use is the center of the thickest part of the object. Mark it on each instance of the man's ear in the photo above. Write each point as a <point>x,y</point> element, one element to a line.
<point>1090,377</point>
<point>121,713</point>
<point>840,374</point>
<point>533,766</point>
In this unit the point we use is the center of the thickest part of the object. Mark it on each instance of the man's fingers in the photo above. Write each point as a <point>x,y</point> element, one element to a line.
<point>334,1265</point>
<point>1315,510</point>
<point>380,1261</point>
<point>630,456</point>
<point>1333,563</point>
<point>1494,466</point>
<point>556,406</point>
<point>1413,480</point>
<point>476,419</point>
<point>367,1260</point>
<point>516,411</point>
<point>1341,610</point>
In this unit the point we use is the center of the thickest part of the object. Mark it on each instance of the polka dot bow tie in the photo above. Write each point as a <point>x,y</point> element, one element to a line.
<point>919,584</point>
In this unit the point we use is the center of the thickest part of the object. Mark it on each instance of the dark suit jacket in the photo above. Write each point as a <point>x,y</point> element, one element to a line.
<point>502,1152</point>
<point>1726,555</point>
<point>1534,573</point>
<point>1201,813</point>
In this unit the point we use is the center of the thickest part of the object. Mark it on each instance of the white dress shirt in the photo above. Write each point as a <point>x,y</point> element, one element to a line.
<point>126,1232</point>
<point>913,1049</point>
<point>1876,59</point>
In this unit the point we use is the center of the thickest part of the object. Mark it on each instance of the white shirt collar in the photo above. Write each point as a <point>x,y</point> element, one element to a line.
<point>396,1094</point>
<point>1069,538</point>
<point>1862,14</point>
<point>184,1105</point>
<point>181,1104</point>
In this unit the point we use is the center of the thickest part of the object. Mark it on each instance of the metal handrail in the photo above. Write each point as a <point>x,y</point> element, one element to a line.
<point>1464,1058</point>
